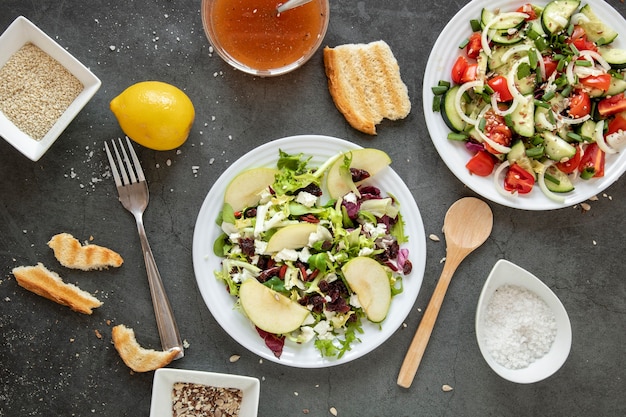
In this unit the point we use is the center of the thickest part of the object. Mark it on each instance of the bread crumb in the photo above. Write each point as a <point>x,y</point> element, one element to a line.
<point>98,335</point>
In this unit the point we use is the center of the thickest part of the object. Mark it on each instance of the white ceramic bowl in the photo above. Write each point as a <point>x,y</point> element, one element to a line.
<point>165,378</point>
<point>507,273</point>
<point>19,33</point>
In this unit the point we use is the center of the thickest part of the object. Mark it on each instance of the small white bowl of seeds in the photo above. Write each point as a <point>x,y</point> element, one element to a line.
<point>42,88</point>
<point>180,392</point>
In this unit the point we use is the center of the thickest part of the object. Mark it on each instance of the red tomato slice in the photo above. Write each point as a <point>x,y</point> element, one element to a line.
<point>470,73</point>
<point>497,130</point>
<point>571,164</point>
<point>458,69</point>
<point>580,104</point>
<point>529,10</point>
<point>499,85</point>
<point>474,46</point>
<point>601,82</point>
<point>592,162</point>
<point>579,39</point>
<point>617,123</point>
<point>612,105</point>
<point>518,179</point>
<point>550,64</point>
<point>481,164</point>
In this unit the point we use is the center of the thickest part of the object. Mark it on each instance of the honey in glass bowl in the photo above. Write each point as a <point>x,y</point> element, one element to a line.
<point>253,37</point>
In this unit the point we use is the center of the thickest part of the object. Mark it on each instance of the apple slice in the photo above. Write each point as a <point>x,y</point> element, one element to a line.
<point>270,310</point>
<point>369,280</point>
<point>293,236</point>
<point>244,190</point>
<point>368,159</point>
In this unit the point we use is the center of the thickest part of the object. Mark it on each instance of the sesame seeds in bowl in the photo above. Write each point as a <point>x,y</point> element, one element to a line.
<point>523,330</point>
<point>42,88</point>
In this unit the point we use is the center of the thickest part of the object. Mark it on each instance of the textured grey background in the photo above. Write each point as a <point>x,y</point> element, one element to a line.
<point>52,363</point>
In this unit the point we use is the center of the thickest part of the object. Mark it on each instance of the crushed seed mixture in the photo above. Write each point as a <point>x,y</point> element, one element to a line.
<point>193,400</point>
<point>35,90</point>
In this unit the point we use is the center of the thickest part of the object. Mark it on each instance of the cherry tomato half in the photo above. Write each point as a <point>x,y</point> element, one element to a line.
<point>612,105</point>
<point>518,179</point>
<point>474,45</point>
<point>458,69</point>
<point>481,164</point>
<point>550,64</point>
<point>617,123</point>
<point>470,73</point>
<point>499,85</point>
<point>601,82</point>
<point>579,39</point>
<point>592,162</point>
<point>497,130</point>
<point>571,164</point>
<point>580,104</point>
<point>529,10</point>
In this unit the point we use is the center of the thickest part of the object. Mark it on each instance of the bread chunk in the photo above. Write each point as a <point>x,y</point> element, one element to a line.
<point>48,284</point>
<point>71,254</point>
<point>365,84</point>
<point>136,357</point>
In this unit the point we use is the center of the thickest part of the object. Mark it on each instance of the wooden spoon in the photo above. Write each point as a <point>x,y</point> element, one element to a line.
<point>466,226</point>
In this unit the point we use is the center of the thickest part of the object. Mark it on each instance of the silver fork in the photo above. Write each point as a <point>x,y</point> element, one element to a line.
<point>134,196</point>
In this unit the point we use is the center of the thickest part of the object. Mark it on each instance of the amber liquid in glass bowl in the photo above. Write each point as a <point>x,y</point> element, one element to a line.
<point>254,35</point>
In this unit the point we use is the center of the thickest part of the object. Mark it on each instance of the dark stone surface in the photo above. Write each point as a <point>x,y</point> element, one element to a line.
<point>53,363</point>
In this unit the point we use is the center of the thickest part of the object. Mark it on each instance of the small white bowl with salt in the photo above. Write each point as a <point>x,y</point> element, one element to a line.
<point>522,328</point>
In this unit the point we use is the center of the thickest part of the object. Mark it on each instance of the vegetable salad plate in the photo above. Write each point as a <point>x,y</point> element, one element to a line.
<point>223,306</point>
<point>542,154</point>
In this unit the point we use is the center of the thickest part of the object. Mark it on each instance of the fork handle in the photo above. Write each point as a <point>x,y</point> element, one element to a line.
<point>168,330</point>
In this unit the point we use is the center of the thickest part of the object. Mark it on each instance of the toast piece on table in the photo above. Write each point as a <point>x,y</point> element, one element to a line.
<point>136,357</point>
<point>71,254</point>
<point>48,284</point>
<point>364,81</point>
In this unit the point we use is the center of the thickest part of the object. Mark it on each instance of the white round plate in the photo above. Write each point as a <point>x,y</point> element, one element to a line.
<point>221,304</point>
<point>442,57</point>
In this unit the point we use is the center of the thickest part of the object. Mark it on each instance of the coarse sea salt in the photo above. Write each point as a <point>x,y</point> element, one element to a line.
<point>519,327</point>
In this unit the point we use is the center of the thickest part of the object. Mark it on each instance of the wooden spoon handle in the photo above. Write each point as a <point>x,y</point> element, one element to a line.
<point>417,347</point>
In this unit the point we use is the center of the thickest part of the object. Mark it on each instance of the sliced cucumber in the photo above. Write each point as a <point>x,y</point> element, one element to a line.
<point>543,119</point>
<point>558,182</point>
<point>481,73</point>
<point>448,110</point>
<point>517,155</point>
<point>506,36</point>
<point>503,21</point>
<point>615,57</point>
<point>523,117</point>
<point>524,85</point>
<point>617,86</point>
<point>557,148</point>
<point>556,15</point>
<point>587,130</point>
<point>596,30</point>
<point>495,60</point>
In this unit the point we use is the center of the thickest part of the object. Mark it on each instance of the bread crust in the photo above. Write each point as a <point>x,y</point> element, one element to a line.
<point>71,254</point>
<point>49,284</point>
<point>136,357</point>
<point>365,84</point>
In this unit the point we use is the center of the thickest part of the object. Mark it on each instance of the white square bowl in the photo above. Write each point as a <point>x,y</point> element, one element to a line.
<point>165,378</point>
<point>18,34</point>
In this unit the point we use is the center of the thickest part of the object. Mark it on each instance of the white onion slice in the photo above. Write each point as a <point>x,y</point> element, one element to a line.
<point>597,57</point>
<point>542,65</point>
<point>513,50</point>
<point>496,108</point>
<point>579,18</point>
<point>544,188</point>
<point>510,79</point>
<point>560,20</point>
<point>598,136</point>
<point>616,140</point>
<point>484,39</point>
<point>498,184</point>
<point>457,101</point>
<point>545,122</point>
<point>571,121</point>
<point>569,72</point>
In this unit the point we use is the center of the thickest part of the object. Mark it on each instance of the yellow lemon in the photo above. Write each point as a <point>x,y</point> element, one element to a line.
<point>154,114</point>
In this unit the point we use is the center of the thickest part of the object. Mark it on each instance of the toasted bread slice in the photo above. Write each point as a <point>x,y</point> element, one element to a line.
<point>134,356</point>
<point>364,81</point>
<point>71,254</point>
<point>48,284</point>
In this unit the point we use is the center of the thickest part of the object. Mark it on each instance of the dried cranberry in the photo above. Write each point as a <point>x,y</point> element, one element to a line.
<point>250,212</point>
<point>407,267</point>
<point>309,218</point>
<point>269,273</point>
<point>312,188</point>
<point>247,246</point>
<point>359,174</point>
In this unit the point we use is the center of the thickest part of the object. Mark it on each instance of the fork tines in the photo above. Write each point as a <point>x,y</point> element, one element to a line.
<point>122,175</point>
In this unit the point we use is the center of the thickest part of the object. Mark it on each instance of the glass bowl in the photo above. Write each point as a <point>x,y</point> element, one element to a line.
<point>254,38</point>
